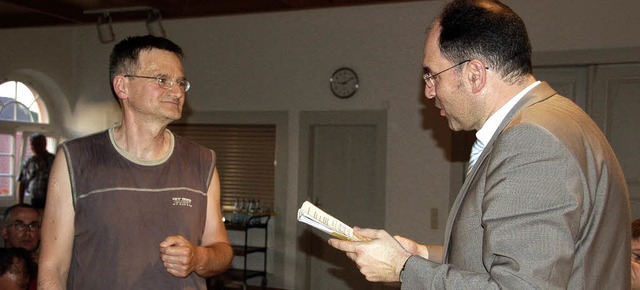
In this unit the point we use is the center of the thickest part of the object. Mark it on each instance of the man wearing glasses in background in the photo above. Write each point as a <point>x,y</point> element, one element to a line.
<point>21,229</point>
<point>135,206</point>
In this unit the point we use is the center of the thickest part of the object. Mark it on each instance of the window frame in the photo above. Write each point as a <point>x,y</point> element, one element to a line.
<point>12,127</point>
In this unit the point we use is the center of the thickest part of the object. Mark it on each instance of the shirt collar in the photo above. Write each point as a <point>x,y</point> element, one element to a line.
<point>491,125</point>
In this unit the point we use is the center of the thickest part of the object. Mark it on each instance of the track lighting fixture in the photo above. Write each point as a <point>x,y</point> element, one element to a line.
<point>154,24</point>
<point>105,28</point>
<point>105,31</point>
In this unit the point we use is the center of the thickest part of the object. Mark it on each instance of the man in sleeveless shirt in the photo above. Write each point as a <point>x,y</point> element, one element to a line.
<point>134,206</point>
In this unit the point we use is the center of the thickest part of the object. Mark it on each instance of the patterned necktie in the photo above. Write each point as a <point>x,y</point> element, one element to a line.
<point>477,148</point>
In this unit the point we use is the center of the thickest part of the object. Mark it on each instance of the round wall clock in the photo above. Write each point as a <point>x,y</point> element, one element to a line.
<point>344,82</point>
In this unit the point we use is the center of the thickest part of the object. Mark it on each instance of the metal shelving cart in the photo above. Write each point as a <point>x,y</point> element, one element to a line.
<point>250,223</point>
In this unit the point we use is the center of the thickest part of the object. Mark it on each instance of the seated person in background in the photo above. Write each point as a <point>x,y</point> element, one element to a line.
<point>17,269</point>
<point>21,228</point>
<point>635,255</point>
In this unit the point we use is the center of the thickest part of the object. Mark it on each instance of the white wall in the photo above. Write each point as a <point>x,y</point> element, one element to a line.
<point>282,62</point>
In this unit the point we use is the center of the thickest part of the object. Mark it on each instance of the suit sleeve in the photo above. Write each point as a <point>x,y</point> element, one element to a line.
<point>531,208</point>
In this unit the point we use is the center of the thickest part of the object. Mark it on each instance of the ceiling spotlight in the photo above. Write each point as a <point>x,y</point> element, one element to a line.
<point>105,31</point>
<point>154,24</point>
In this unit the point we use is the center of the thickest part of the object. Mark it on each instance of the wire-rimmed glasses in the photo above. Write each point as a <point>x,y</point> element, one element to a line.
<point>20,226</point>
<point>165,82</point>
<point>429,78</point>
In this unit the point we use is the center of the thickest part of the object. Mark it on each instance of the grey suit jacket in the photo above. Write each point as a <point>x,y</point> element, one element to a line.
<point>545,207</point>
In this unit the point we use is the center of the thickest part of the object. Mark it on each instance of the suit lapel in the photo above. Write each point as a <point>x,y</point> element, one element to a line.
<point>538,94</point>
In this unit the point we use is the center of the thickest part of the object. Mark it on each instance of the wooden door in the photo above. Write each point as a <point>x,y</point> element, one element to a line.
<point>615,106</point>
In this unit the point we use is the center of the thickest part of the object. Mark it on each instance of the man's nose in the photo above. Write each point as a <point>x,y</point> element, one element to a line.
<point>430,93</point>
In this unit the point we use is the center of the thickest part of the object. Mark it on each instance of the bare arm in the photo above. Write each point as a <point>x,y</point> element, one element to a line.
<point>57,229</point>
<point>213,256</point>
<point>216,252</point>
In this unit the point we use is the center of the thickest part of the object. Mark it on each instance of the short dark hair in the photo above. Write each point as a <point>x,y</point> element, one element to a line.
<point>635,229</point>
<point>37,136</point>
<point>125,54</point>
<point>486,30</point>
<point>10,210</point>
<point>39,141</point>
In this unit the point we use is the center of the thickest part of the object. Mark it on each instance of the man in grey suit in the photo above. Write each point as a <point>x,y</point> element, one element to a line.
<point>545,203</point>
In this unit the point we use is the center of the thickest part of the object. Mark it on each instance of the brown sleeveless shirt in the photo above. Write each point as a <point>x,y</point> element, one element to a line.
<point>125,207</point>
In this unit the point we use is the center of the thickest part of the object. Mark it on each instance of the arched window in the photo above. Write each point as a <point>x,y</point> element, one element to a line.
<point>22,114</point>
<point>21,104</point>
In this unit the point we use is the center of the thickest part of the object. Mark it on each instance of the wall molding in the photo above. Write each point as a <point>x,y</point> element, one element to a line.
<point>586,57</point>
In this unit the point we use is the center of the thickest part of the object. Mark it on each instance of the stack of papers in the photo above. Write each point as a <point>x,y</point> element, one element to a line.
<point>317,218</point>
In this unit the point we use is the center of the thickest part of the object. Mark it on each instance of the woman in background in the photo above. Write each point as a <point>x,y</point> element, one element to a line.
<point>16,269</point>
<point>635,255</point>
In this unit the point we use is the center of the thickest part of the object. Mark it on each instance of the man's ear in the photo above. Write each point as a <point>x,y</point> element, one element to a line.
<point>477,75</point>
<point>120,86</point>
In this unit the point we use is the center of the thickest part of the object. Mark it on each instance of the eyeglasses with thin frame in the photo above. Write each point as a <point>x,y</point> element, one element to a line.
<point>20,226</point>
<point>635,254</point>
<point>165,82</point>
<point>430,79</point>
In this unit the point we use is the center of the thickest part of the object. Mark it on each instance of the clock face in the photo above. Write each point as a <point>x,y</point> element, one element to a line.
<point>344,82</point>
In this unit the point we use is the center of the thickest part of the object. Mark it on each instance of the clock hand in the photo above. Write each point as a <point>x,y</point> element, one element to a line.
<point>349,79</point>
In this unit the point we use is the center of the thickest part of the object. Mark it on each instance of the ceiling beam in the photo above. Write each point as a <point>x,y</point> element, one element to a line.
<point>55,9</point>
<point>31,13</point>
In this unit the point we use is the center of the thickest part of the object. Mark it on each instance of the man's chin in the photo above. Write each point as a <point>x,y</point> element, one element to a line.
<point>454,127</point>
<point>174,116</point>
